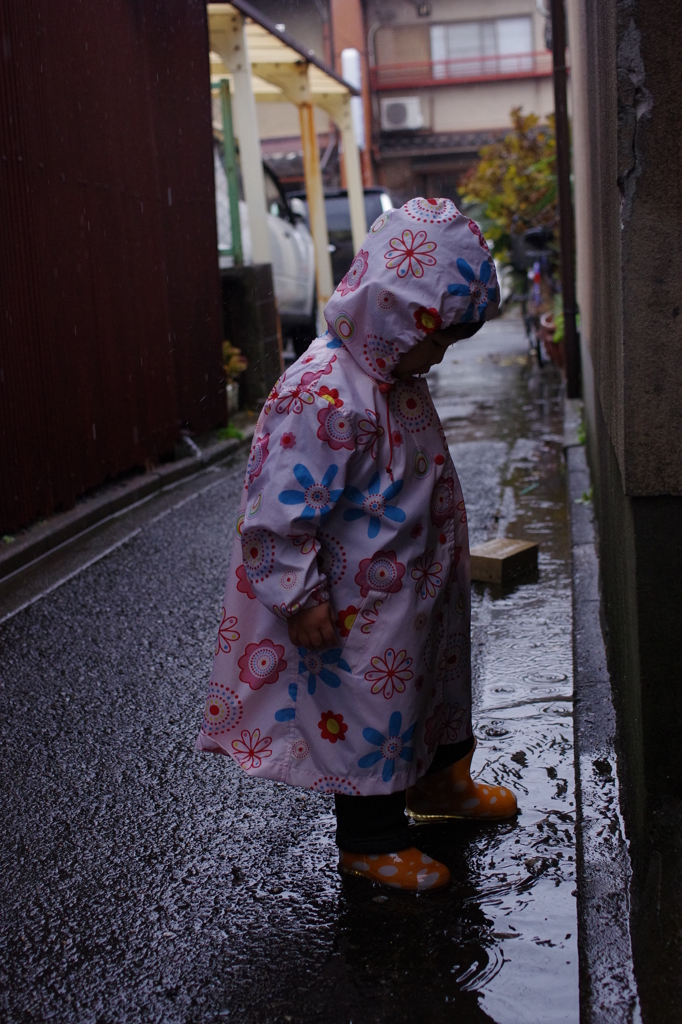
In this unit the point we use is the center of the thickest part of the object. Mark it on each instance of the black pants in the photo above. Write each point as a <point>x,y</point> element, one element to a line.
<point>377,824</point>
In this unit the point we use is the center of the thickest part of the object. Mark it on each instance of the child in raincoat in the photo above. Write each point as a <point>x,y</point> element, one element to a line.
<point>343,655</point>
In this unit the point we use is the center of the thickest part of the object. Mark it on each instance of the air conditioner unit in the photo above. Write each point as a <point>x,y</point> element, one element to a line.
<point>404,112</point>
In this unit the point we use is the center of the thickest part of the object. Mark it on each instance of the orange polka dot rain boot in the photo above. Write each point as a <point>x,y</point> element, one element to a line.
<point>408,869</point>
<point>452,793</point>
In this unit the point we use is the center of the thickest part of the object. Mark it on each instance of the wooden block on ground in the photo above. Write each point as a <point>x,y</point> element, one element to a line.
<point>502,560</point>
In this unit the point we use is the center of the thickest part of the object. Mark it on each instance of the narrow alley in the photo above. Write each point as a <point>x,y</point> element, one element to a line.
<point>142,881</point>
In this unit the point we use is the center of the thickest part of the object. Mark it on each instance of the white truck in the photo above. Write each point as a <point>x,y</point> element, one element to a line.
<point>291,245</point>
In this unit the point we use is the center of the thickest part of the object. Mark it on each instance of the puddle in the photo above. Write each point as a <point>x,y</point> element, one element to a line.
<point>164,887</point>
<point>523,876</point>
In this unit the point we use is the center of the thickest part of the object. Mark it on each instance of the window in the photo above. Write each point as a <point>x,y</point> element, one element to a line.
<point>472,48</point>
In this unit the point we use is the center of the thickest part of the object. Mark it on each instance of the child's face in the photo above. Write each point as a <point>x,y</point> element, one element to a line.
<point>429,351</point>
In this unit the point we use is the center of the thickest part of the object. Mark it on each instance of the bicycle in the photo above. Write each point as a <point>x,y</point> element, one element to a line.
<point>532,256</point>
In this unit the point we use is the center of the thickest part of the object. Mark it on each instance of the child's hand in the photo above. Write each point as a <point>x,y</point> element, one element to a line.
<point>313,627</point>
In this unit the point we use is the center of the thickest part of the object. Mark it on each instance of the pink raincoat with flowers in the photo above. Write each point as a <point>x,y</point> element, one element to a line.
<point>351,496</point>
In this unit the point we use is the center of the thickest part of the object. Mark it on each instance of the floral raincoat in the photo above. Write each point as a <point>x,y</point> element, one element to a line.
<point>351,496</point>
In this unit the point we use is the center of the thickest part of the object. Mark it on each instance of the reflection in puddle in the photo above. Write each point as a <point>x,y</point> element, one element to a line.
<point>499,945</point>
<point>524,875</point>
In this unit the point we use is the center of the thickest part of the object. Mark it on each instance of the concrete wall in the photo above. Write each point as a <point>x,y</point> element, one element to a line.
<point>486,105</point>
<point>403,12</point>
<point>626,87</point>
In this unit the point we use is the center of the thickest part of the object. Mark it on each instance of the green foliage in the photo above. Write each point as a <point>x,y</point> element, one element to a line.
<point>229,432</point>
<point>514,184</point>
<point>558,320</point>
<point>234,362</point>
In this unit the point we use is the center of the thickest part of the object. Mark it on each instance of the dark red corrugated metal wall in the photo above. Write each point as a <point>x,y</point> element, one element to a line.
<point>109,338</point>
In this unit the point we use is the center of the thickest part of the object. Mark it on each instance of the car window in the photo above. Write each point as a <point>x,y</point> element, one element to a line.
<point>373,208</point>
<point>338,213</point>
<point>273,197</point>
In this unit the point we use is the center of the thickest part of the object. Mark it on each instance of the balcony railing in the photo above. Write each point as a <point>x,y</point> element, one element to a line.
<point>462,70</point>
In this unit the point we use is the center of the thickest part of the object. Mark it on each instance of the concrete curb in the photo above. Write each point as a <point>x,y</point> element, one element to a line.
<point>107,501</point>
<point>608,991</point>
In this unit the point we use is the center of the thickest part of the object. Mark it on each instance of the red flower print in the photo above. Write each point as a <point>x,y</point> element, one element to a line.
<point>259,453</point>
<point>273,396</point>
<point>380,572</point>
<point>332,727</point>
<point>473,226</point>
<point>243,584</point>
<point>305,541</point>
<point>462,509</point>
<point>425,572</point>
<point>336,429</point>
<point>443,726</point>
<point>312,376</point>
<point>427,320</point>
<point>227,634</point>
<point>370,616</point>
<point>331,395</point>
<point>223,710</point>
<point>369,432</point>
<point>346,618</point>
<point>358,269</point>
<point>443,501</point>
<point>410,253</point>
<point>292,400</point>
<point>420,621</point>
<point>389,674</point>
<point>287,440</point>
<point>455,660</point>
<point>284,611</point>
<point>416,531</point>
<point>250,750</point>
<point>261,663</point>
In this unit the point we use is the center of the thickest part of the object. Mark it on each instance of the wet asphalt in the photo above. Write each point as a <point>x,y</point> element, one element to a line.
<point>141,881</point>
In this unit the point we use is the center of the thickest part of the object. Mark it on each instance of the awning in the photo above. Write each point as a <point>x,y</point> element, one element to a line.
<point>266,65</point>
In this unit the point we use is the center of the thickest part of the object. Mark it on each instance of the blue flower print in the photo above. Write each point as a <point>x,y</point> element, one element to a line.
<point>315,664</point>
<point>391,747</point>
<point>374,504</point>
<point>288,714</point>
<point>476,288</point>
<point>315,497</point>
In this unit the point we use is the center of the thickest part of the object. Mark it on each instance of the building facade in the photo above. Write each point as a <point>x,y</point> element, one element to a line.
<point>444,77</point>
<point>439,80</point>
<point>627,126</point>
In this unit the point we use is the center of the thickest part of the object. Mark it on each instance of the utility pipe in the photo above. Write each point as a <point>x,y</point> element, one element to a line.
<point>563,163</point>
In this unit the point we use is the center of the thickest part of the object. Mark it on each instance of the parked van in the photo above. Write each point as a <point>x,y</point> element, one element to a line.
<point>337,208</point>
<point>291,246</point>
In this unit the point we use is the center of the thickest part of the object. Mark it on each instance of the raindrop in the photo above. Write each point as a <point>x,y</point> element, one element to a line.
<point>494,731</point>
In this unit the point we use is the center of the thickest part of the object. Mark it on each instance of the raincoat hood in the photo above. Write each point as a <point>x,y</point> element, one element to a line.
<point>421,267</point>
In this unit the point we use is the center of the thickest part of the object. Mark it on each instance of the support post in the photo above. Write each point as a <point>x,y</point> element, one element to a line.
<point>230,165</point>
<point>356,194</point>
<point>316,209</point>
<point>339,109</point>
<point>228,38</point>
<point>563,161</point>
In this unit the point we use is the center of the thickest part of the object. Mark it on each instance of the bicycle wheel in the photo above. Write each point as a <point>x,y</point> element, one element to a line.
<point>534,341</point>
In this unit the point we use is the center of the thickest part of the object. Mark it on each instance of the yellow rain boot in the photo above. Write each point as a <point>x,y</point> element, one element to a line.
<point>452,793</point>
<point>407,869</point>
